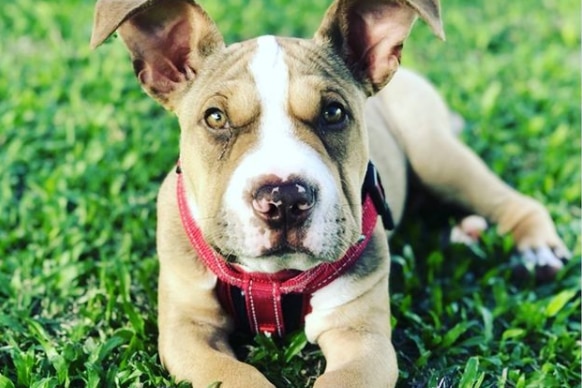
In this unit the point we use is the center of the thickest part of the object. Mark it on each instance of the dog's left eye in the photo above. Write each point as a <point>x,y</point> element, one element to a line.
<point>334,114</point>
<point>215,118</point>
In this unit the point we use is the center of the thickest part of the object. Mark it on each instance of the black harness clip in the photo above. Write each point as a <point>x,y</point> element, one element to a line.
<point>373,187</point>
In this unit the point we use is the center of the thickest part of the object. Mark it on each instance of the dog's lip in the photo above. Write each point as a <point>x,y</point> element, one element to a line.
<point>271,252</point>
<point>281,275</point>
<point>276,260</point>
<point>286,249</point>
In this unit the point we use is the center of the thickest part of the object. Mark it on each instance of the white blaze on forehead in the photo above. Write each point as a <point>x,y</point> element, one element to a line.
<point>278,152</point>
<point>279,149</point>
<point>272,79</point>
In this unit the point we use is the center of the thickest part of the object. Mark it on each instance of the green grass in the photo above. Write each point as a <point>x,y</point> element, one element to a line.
<point>83,151</point>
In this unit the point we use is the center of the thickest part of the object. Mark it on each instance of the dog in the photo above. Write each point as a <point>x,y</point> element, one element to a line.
<point>270,220</point>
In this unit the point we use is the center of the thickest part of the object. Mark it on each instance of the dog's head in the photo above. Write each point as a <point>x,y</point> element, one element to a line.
<point>273,143</point>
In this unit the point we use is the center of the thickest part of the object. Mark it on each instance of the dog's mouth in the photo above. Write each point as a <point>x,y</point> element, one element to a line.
<point>276,259</point>
<point>322,238</point>
<point>286,250</point>
<point>267,254</point>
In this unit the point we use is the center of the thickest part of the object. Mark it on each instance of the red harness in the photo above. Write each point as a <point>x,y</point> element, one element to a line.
<point>262,302</point>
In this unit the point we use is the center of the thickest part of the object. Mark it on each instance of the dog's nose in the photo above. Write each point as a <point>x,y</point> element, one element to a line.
<point>287,204</point>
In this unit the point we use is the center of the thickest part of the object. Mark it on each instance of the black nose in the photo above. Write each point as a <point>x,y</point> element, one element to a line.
<point>287,204</point>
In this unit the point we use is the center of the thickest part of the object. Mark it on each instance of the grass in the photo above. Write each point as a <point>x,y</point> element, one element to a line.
<point>83,150</point>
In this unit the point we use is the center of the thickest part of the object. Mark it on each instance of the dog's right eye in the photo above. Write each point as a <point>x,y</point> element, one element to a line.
<point>215,118</point>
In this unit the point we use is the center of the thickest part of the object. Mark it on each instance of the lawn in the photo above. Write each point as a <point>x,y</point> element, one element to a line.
<point>83,151</point>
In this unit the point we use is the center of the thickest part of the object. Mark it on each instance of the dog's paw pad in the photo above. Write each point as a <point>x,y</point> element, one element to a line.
<point>469,230</point>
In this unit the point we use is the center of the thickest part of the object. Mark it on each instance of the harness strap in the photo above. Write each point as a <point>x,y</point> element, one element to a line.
<point>264,318</point>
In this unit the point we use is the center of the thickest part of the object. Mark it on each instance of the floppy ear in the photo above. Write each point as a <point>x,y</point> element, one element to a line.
<point>168,41</point>
<point>369,34</point>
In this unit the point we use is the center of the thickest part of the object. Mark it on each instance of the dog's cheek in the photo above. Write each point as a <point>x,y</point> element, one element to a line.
<point>233,234</point>
<point>203,183</point>
<point>331,231</point>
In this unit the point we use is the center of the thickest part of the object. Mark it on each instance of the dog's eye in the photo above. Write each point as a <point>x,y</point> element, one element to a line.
<point>215,118</point>
<point>334,114</point>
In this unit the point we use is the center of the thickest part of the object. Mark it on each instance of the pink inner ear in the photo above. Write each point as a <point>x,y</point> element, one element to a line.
<point>376,35</point>
<point>163,57</point>
<point>168,41</point>
<point>160,79</point>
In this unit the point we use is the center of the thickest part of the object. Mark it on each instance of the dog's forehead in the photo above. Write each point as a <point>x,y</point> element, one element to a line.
<point>268,65</point>
<point>270,56</point>
<point>302,57</point>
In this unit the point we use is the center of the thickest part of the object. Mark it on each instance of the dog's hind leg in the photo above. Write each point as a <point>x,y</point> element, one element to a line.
<point>421,123</point>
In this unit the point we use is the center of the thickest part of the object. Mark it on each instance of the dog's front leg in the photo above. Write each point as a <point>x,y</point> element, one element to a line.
<point>371,361</point>
<point>193,336</point>
<point>355,339</point>
<point>193,328</point>
<point>375,366</point>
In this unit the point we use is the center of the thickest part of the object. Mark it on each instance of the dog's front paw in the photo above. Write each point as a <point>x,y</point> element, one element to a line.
<point>346,378</point>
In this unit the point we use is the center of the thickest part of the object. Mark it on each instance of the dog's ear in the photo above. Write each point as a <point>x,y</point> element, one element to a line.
<point>369,34</point>
<point>168,41</point>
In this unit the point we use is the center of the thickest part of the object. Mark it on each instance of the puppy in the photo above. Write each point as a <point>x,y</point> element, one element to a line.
<point>270,220</point>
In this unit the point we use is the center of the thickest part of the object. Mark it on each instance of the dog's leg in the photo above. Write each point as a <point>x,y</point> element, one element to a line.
<point>193,328</point>
<point>192,347</point>
<point>355,336</point>
<point>358,350</point>
<point>421,122</point>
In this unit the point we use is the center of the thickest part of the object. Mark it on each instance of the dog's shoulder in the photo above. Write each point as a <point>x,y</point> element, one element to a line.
<point>410,103</point>
<point>410,88</point>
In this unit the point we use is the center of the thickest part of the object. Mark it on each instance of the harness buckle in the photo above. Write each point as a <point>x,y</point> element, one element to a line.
<point>373,187</point>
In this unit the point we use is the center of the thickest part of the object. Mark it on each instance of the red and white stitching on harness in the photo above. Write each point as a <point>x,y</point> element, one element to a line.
<point>263,293</point>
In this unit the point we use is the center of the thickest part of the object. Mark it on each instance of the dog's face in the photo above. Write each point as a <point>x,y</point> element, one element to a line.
<point>274,152</point>
<point>273,146</point>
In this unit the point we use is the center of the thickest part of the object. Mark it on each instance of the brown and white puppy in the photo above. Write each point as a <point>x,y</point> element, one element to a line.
<point>281,112</point>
